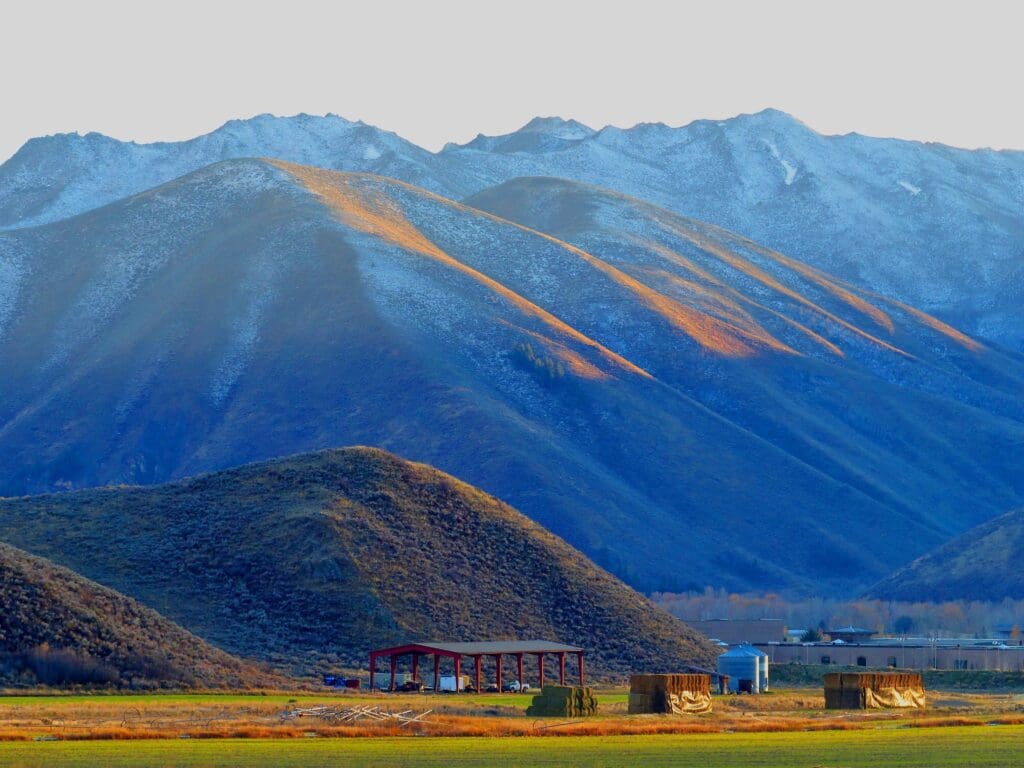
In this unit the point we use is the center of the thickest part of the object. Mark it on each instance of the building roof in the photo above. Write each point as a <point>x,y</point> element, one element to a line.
<point>744,650</point>
<point>966,644</point>
<point>851,630</point>
<point>482,648</point>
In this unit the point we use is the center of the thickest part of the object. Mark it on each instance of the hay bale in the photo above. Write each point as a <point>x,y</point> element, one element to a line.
<point>833,680</point>
<point>563,701</point>
<point>874,690</point>
<point>669,694</point>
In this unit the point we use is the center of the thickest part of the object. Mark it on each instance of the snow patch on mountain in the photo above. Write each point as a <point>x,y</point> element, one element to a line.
<point>113,283</point>
<point>12,275</point>
<point>260,288</point>
<point>246,331</point>
<point>788,167</point>
<point>140,382</point>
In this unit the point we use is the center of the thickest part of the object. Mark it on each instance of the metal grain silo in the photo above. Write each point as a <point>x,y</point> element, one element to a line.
<point>746,667</point>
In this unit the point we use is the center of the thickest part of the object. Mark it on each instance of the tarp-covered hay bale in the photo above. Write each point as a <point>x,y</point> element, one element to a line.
<point>669,694</point>
<point>874,690</point>
<point>563,701</point>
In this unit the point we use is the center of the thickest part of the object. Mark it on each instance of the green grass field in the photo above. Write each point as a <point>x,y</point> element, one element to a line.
<point>923,747</point>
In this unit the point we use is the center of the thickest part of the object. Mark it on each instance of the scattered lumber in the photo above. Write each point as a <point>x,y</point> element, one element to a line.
<point>339,715</point>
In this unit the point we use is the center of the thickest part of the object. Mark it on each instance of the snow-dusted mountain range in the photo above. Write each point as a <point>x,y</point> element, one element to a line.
<point>938,227</point>
<point>683,404</point>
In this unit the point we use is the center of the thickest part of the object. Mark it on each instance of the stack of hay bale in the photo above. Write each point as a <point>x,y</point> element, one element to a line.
<point>563,701</point>
<point>669,694</point>
<point>874,690</point>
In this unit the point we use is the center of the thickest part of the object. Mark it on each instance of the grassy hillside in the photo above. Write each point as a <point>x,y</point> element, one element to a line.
<point>320,557</point>
<point>57,628</point>
<point>982,564</point>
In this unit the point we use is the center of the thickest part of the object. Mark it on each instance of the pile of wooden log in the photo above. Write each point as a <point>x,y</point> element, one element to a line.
<point>339,715</point>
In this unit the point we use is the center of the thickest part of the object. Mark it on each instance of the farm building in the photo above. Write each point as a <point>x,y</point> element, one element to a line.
<point>874,690</point>
<point>904,653</point>
<point>669,694</point>
<point>746,667</point>
<point>850,634</point>
<point>495,649</point>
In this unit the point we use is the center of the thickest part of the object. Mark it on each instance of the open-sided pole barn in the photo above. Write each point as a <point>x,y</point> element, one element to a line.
<point>497,649</point>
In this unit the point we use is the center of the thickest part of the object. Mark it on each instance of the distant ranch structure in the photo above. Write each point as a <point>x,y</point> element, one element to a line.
<point>496,649</point>
<point>912,653</point>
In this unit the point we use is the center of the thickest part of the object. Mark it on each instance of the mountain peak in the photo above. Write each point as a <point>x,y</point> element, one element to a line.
<point>541,134</point>
<point>769,116</point>
<point>557,126</point>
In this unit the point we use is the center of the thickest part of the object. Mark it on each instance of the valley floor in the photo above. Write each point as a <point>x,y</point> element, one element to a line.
<point>924,747</point>
<point>782,727</point>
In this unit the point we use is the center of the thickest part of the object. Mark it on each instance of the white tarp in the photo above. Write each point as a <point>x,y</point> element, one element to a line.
<point>689,702</point>
<point>893,698</point>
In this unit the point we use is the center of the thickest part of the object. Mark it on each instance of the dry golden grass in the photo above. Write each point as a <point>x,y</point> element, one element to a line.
<point>249,717</point>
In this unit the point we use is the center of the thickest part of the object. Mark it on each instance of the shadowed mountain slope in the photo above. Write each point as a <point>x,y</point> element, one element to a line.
<point>656,391</point>
<point>57,627</point>
<point>846,380</point>
<point>982,564</point>
<point>321,557</point>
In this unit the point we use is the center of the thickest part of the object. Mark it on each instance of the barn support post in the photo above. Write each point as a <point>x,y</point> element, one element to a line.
<point>579,658</point>
<point>540,671</point>
<point>561,667</point>
<point>478,661</point>
<point>394,665</point>
<point>437,673</point>
<point>373,670</point>
<point>519,669</point>
<point>415,665</point>
<point>458,674</point>
<point>497,671</point>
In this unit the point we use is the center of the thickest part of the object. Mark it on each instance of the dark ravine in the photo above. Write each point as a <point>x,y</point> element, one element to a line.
<point>311,561</point>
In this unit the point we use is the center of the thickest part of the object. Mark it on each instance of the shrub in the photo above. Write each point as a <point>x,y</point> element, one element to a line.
<point>62,666</point>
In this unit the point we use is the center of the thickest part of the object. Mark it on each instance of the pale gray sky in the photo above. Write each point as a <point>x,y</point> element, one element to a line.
<point>444,71</point>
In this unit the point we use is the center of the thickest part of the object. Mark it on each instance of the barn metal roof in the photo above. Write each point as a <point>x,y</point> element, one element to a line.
<point>744,649</point>
<point>851,630</point>
<point>483,648</point>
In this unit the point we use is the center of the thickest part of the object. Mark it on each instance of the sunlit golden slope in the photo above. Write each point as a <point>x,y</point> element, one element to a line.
<point>737,302</point>
<point>729,294</point>
<point>361,206</point>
